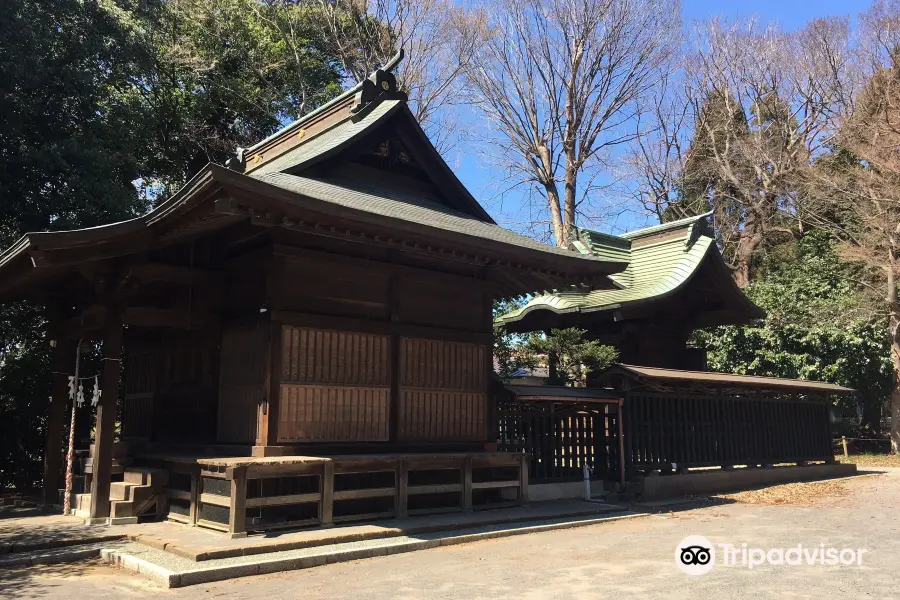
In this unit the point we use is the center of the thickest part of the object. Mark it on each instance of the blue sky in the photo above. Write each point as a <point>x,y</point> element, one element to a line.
<point>790,14</point>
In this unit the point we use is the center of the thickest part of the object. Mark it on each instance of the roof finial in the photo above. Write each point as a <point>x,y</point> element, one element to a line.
<point>394,61</point>
<point>380,85</point>
<point>237,162</point>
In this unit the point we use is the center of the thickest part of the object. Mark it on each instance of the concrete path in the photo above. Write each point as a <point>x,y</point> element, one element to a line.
<point>632,558</point>
<point>38,533</point>
<point>20,533</point>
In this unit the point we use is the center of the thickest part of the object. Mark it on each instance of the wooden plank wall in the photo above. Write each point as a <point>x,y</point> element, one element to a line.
<point>241,382</point>
<point>442,391</point>
<point>335,386</point>
<point>186,390</point>
<point>137,412</point>
<point>701,431</point>
<point>170,388</point>
<point>346,290</point>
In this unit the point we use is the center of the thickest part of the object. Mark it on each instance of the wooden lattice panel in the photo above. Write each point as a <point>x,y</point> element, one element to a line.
<point>442,390</point>
<point>335,386</point>
<point>334,357</point>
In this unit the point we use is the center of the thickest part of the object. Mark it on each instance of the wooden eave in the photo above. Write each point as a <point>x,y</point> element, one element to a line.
<point>730,384</point>
<point>218,197</point>
<point>42,256</point>
<point>519,269</point>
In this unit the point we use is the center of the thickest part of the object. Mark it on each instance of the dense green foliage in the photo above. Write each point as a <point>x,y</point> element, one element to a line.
<point>108,107</point>
<point>509,354</point>
<point>574,356</point>
<point>814,328</point>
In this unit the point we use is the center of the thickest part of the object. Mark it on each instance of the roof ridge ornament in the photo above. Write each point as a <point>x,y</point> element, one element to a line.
<point>380,85</point>
<point>238,162</point>
<point>699,228</point>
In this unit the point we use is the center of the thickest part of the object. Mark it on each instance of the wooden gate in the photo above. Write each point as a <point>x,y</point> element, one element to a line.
<point>560,437</point>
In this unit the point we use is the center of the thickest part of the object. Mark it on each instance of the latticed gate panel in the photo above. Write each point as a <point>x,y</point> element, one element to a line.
<point>560,438</point>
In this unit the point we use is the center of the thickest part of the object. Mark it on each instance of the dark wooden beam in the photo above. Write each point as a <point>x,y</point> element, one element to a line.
<point>146,316</point>
<point>318,321</point>
<point>106,414</point>
<point>63,355</point>
<point>92,319</point>
<point>150,272</point>
<point>317,258</point>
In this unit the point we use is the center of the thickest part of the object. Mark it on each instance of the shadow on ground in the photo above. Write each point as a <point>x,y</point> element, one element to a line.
<point>19,582</point>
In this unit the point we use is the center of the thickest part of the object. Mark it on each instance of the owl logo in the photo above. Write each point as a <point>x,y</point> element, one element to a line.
<point>695,555</point>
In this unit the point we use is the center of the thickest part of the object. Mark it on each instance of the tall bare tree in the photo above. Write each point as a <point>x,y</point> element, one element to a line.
<point>438,36</point>
<point>861,181</point>
<point>758,105</point>
<point>657,155</point>
<point>558,81</point>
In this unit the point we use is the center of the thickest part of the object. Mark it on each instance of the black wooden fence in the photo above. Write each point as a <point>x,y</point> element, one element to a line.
<point>698,431</point>
<point>560,437</point>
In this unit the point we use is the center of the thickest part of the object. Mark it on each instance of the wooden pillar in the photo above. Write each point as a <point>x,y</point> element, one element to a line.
<point>273,386</point>
<point>63,356</point>
<point>326,508</point>
<point>523,478</point>
<point>195,496</point>
<point>237,516</point>
<point>467,484</point>
<point>106,414</point>
<point>402,508</point>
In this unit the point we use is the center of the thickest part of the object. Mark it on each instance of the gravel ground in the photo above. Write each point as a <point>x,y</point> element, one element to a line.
<point>631,558</point>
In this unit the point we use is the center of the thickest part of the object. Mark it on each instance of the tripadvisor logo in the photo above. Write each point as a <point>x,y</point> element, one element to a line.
<point>696,555</point>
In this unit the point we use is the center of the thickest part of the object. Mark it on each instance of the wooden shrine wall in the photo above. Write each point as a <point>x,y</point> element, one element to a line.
<point>170,388</point>
<point>244,355</point>
<point>442,391</point>
<point>373,351</point>
<point>335,386</point>
<point>318,287</point>
<point>140,383</point>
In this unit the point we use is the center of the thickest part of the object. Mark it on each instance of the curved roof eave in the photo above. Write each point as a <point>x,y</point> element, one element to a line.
<point>754,312</point>
<point>56,240</point>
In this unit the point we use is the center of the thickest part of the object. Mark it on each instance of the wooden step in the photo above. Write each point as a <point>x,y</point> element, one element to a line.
<point>146,476</point>
<point>82,502</point>
<point>120,490</point>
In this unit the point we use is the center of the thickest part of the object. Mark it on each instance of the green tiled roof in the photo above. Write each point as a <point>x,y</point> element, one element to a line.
<point>660,260</point>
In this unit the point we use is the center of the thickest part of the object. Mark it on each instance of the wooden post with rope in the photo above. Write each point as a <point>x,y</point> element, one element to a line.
<point>70,453</point>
